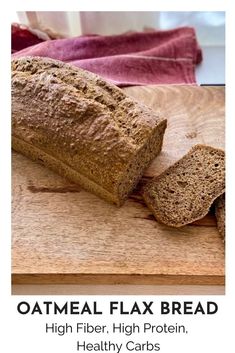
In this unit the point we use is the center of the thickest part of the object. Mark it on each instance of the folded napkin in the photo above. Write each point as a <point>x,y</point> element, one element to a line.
<point>135,58</point>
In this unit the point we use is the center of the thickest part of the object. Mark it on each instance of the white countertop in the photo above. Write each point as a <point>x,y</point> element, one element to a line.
<point>212,68</point>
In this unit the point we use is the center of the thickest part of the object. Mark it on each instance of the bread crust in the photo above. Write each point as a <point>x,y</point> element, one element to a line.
<point>82,127</point>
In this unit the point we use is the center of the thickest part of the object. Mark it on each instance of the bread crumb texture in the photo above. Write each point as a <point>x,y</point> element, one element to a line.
<point>186,190</point>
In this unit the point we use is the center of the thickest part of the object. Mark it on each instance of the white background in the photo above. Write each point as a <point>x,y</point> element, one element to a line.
<point>25,334</point>
<point>206,333</point>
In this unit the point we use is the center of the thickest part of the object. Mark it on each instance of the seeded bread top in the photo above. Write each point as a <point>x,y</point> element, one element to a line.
<point>80,119</point>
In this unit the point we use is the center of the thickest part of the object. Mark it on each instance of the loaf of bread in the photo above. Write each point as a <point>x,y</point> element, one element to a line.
<point>220,214</point>
<point>82,127</point>
<point>186,190</point>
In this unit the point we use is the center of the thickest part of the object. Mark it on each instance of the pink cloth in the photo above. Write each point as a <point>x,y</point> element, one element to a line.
<point>136,58</point>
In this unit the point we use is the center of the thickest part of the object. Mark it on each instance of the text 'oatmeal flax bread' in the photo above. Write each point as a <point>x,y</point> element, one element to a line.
<point>82,127</point>
<point>185,192</point>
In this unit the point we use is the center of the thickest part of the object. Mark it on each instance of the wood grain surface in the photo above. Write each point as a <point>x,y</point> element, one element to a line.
<point>64,235</point>
<point>110,289</point>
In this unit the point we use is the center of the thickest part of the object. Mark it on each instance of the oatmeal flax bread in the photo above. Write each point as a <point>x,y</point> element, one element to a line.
<point>220,214</point>
<point>82,127</point>
<point>185,191</point>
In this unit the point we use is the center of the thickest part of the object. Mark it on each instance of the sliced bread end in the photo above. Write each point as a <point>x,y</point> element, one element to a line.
<point>187,189</point>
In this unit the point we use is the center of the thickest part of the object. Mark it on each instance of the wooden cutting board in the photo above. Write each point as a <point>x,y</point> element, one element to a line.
<point>62,234</point>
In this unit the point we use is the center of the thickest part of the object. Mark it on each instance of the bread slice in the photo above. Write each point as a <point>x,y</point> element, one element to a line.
<point>186,190</point>
<point>82,127</point>
<point>220,214</point>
